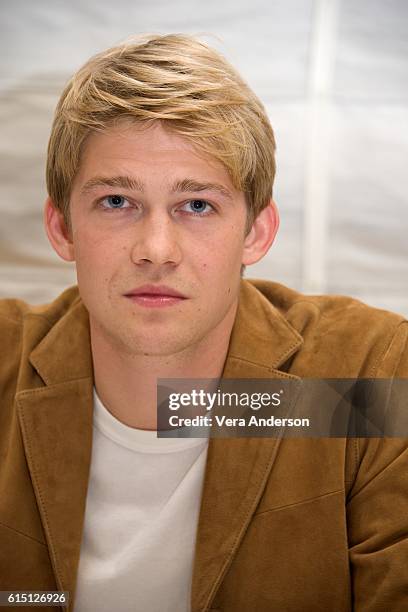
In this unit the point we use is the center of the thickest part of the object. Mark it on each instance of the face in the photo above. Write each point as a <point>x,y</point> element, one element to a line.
<point>158,237</point>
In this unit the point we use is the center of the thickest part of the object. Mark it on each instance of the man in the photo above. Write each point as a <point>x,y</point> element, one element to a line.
<point>160,173</point>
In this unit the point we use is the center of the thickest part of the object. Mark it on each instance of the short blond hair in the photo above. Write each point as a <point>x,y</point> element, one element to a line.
<point>180,81</point>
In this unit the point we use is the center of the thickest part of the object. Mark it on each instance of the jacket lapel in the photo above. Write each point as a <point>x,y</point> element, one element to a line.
<point>237,469</point>
<point>56,424</point>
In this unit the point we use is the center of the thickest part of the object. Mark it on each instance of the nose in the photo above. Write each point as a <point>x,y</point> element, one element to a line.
<point>157,240</point>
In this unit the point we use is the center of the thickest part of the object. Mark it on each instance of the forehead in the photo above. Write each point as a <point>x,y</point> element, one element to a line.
<point>155,151</point>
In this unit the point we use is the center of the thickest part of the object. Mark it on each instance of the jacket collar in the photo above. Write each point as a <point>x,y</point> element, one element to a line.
<point>261,339</point>
<point>64,354</point>
<point>56,424</point>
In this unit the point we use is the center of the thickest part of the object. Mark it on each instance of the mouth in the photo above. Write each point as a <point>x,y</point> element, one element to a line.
<point>155,296</point>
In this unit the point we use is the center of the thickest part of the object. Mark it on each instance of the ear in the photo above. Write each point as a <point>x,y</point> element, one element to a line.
<point>261,235</point>
<point>58,233</point>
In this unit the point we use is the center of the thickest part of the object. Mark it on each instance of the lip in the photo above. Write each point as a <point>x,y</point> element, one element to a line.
<point>155,290</point>
<point>154,296</point>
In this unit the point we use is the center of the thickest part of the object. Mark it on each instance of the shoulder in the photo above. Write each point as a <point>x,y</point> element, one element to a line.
<point>21,323</point>
<point>337,313</point>
<point>330,308</point>
<point>13,312</point>
<point>339,328</point>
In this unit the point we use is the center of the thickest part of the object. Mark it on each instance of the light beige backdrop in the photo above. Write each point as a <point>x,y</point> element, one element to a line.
<point>333,76</point>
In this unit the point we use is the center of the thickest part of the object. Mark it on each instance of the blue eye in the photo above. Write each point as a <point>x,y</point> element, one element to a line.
<point>116,201</point>
<point>198,207</point>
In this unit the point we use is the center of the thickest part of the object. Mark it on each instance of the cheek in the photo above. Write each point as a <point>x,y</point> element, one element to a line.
<point>92,246</point>
<point>220,265</point>
<point>225,254</point>
<point>96,260</point>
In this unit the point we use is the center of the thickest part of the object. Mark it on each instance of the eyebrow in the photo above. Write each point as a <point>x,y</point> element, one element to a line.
<point>187,185</point>
<point>125,182</point>
<point>179,186</point>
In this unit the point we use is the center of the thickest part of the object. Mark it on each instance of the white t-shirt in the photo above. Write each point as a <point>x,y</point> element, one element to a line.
<point>141,518</point>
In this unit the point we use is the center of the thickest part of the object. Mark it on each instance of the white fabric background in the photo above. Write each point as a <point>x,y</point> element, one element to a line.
<point>333,76</point>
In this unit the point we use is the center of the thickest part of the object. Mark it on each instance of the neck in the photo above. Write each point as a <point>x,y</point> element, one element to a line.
<point>127,382</point>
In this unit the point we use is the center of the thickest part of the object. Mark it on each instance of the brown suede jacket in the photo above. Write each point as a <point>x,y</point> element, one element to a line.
<point>286,525</point>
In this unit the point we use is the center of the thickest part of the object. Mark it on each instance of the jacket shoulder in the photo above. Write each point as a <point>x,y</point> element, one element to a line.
<point>339,329</point>
<point>13,311</point>
<point>329,306</point>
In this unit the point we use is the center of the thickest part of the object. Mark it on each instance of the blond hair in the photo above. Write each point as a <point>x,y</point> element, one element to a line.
<point>181,82</point>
